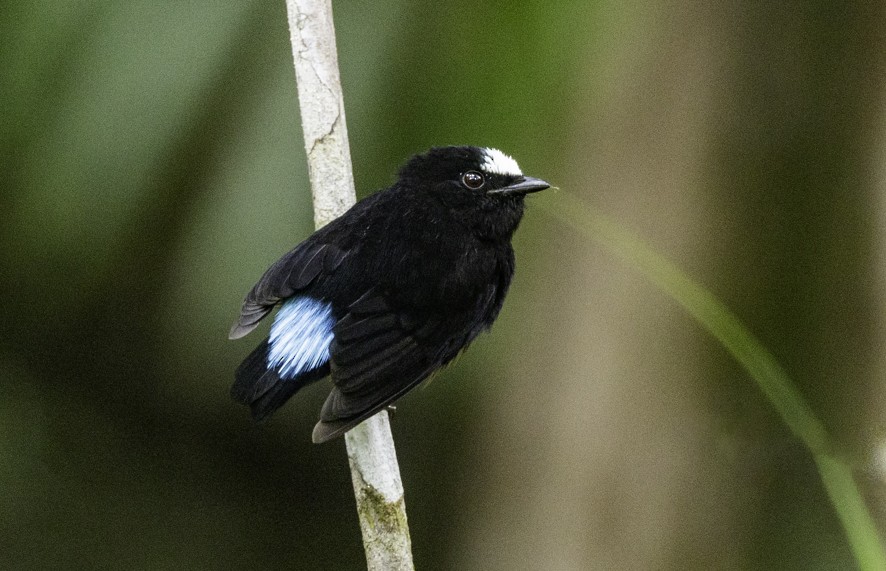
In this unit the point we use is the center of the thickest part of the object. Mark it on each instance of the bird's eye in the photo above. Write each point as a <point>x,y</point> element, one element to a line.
<point>472,180</point>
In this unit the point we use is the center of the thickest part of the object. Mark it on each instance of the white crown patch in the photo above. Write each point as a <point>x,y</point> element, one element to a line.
<point>496,162</point>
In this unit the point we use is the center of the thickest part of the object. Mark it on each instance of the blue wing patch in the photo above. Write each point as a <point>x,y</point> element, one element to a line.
<point>300,336</point>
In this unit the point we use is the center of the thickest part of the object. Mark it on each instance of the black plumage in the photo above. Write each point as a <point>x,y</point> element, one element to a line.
<point>389,292</point>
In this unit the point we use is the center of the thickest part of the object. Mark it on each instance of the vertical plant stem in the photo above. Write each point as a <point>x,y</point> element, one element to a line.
<point>371,454</point>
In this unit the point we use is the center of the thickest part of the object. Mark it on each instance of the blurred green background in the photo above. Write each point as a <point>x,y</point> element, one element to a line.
<point>153,167</point>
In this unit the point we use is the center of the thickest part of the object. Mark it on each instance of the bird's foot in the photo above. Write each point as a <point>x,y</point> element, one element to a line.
<point>391,410</point>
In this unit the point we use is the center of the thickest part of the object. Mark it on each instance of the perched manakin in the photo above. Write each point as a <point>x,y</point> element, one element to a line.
<point>388,293</point>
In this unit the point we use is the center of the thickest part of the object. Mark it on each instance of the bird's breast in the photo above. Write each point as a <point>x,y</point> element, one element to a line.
<point>475,277</point>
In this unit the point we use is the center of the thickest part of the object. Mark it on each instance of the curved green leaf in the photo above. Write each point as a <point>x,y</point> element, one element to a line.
<point>725,326</point>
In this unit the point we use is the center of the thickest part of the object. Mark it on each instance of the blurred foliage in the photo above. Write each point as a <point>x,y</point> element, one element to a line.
<point>153,168</point>
<point>759,363</point>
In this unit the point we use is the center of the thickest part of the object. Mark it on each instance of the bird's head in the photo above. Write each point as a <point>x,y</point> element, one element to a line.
<point>483,186</point>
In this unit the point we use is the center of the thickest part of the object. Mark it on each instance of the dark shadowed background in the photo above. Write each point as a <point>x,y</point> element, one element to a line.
<point>152,168</point>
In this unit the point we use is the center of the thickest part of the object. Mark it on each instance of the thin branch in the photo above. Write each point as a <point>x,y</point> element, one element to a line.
<point>373,460</point>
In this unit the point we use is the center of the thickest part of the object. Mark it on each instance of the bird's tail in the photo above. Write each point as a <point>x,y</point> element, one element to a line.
<point>261,388</point>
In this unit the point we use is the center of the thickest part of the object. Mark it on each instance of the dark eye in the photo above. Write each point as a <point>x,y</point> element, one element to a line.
<point>472,180</point>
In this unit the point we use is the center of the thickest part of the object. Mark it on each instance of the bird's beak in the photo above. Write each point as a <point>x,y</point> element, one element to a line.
<point>523,185</point>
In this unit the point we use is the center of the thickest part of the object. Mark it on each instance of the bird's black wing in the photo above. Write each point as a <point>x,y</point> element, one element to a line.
<point>292,273</point>
<point>377,355</point>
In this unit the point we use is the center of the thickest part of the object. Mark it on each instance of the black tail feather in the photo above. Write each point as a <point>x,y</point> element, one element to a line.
<point>262,389</point>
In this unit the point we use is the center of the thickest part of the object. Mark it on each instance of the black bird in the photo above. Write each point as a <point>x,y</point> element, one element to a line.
<point>389,292</point>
